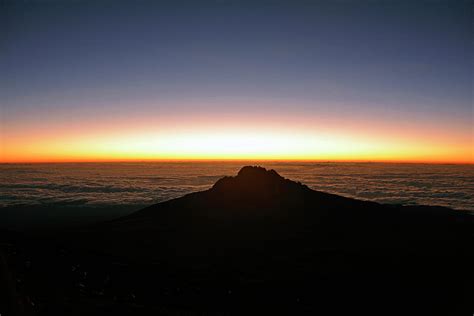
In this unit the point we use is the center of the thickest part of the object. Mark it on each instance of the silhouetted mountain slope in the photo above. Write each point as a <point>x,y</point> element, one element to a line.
<point>257,243</point>
<point>260,205</point>
<point>260,233</point>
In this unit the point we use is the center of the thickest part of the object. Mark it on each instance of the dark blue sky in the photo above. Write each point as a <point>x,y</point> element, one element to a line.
<point>405,60</point>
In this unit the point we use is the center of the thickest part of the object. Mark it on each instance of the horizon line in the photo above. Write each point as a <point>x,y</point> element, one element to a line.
<point>238,160</point>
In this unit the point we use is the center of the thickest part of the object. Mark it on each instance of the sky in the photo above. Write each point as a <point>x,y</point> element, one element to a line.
<point>304,80</point>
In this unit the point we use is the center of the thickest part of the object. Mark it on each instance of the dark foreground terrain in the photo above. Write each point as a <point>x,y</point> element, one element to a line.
<point>252,244</point>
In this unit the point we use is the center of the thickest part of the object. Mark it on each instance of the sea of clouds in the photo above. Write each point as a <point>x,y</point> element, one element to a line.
<point>142,184</point>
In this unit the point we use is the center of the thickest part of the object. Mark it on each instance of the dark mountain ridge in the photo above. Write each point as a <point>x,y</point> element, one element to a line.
<point>262,200</point>
<point>258,243</point>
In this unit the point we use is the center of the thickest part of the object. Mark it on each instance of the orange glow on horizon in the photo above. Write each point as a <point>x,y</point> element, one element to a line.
<point>203,139</point>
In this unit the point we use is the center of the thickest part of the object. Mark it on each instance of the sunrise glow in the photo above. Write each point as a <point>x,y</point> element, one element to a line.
<point>311,82</point>
<point>276,139</point>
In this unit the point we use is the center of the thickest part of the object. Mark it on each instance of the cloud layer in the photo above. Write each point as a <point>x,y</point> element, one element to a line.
<point>141,184</point>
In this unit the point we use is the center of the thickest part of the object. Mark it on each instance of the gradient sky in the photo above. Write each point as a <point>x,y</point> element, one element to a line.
<point>342,80</point>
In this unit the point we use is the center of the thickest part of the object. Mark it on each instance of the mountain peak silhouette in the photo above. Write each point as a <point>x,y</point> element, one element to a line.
<point>256,181</point>
<point>269,237</point>
<point>257,171</point>
<point>257,243</point>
